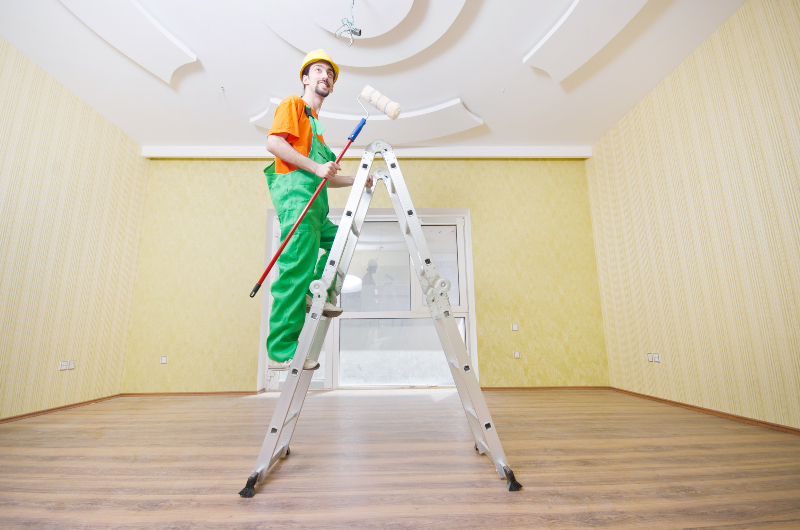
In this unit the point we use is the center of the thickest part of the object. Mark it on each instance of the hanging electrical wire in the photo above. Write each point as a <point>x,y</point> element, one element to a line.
<point>348,28</point>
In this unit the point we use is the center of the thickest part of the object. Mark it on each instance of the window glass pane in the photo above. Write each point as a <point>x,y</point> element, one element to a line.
<point>392,352</point>
<point>378,279</point>
<point>442,243</point>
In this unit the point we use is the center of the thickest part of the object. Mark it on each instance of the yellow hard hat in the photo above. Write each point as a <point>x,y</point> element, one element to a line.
<point>319,55</point>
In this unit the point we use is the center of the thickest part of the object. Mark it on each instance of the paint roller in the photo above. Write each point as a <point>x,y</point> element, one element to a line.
<point>380,102</point>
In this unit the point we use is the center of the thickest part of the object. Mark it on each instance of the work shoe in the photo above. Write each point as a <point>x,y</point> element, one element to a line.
<point>329,310</point>
<point>278,366</point>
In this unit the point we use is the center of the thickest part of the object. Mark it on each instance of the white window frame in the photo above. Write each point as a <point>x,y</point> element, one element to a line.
<point>460,217</point>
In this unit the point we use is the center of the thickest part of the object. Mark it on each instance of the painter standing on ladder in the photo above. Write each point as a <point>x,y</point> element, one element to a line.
<point>301,160</point>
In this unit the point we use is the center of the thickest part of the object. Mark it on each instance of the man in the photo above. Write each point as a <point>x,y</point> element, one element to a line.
<point>369,290</point>
<point>301,160</point>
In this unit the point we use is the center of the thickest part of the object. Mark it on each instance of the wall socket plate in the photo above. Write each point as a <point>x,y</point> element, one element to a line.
<point>63,365</point>
<point>514,327</point>
<point>517,354</point>
<point>163,359</point>
<point>656,357</point>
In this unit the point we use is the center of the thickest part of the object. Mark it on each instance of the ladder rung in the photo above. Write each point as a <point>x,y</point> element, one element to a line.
<point>356,231</point>
<point>279,450</point>
<point>472,413</point>
<point>292,416</point>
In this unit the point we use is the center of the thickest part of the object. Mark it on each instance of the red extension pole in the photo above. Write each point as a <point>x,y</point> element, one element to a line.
<point>296,224</point>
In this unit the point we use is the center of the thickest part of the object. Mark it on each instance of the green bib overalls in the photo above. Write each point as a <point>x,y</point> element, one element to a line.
<point>298,264</point>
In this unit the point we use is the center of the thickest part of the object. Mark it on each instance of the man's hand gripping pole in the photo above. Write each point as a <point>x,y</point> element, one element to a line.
<point>379,101</point>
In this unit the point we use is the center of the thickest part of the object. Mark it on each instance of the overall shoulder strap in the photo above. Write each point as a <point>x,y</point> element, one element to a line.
<point>316,126</point>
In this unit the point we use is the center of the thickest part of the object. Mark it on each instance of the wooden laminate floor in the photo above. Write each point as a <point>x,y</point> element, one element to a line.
<point>397,459</point>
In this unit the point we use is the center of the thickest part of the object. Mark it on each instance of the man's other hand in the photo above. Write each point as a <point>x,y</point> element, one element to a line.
<point>327,170</point>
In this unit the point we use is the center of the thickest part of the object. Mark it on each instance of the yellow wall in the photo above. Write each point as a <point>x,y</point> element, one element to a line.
<point>696,212</point>
<point>71,197</point>
<point>202,251</point>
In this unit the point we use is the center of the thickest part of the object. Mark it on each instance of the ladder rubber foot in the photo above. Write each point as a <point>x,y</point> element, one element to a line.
<point>249,490</point>
<point>511,482</point>
<point>476,448</point>
<point>288,452</point>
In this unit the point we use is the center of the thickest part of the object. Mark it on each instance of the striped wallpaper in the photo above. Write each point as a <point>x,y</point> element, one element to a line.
<point>71,197</point>
<point>210,216</point>
<point>695,198</point>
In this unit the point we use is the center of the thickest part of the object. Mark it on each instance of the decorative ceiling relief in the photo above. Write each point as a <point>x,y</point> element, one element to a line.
<point>391,31</point>
<point>586,27</point>
<point>415,126</point>
<point>265,118</point>
<point>133,31</point>
<point>373,17</point>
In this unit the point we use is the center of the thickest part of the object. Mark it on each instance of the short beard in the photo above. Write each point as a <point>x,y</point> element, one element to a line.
<point>320,93</point>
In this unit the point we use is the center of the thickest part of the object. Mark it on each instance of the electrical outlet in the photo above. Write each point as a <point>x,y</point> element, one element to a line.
<point>514,327</point>
<point>163,359</point>
<point>657,357</point>
<point>71,365</point>
<point>650,357</point>
<point>517,354</point>
<point>63,365</point>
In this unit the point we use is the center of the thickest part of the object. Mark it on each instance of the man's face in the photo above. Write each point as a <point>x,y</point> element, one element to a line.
<point>320,78</point>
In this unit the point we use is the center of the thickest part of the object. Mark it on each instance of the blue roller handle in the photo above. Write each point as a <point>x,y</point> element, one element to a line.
<point>357,130</point>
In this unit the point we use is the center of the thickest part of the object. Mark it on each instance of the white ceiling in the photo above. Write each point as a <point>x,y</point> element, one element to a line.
<point>437,52</point>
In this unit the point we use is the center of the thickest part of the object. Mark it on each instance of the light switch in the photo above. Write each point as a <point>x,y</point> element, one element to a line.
<point>514,327</point>
<point>517,354</point>
<point>650,357</point>
<point>163,359</point>
<point>72,365</point>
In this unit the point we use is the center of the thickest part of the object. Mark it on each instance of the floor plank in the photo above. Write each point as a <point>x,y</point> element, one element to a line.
<point>397,459</point>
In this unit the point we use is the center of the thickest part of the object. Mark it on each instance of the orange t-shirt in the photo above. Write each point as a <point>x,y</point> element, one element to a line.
<point>290,118</point>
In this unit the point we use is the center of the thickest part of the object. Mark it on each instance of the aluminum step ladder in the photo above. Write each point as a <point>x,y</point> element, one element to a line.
<point>434,287</point>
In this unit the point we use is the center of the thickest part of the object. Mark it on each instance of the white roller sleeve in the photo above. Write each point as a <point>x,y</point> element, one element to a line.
<point>381,102</point>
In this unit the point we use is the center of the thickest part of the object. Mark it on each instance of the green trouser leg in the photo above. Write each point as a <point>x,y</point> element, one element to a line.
<point>327,235</point>
<point>298,266</point>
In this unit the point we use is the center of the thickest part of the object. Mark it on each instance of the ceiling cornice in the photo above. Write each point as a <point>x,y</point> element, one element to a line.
<point>495,151</point>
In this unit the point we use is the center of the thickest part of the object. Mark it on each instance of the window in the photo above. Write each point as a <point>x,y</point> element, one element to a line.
<point>385,337</point>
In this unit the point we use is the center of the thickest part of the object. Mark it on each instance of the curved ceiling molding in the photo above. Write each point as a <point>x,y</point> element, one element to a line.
<point>130,29</point>
<point>585,28</point>
<point>425,23</point>
<point>434,122</point>
<point>372,17</point>
<point>265,118</point>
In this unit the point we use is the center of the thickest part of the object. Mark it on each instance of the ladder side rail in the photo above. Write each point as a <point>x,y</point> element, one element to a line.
<point>401,212</point>
<point>350,246</point>
<point>281,444</point>
<point>346,224</point>
<point>466,402</point>
<point>382,174</point>
<point>453,362</point>
<point>290,389</point>
<point>441,312</point>
<point>450,336</point>
<point>312,337</point>
<point>411,216</point>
